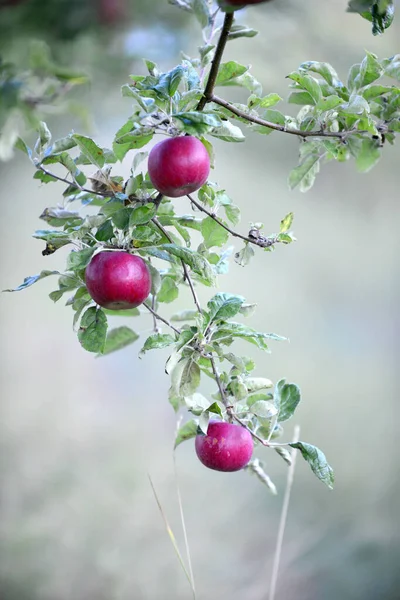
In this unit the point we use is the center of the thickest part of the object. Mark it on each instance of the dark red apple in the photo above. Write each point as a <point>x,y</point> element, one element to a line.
<point>118,280</point>
<point>111,11</point>
<point>226,447</point>
<point>239,3</point>
<point>178,166</point>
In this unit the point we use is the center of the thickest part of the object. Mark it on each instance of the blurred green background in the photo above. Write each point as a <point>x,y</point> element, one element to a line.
<point>80,435</point>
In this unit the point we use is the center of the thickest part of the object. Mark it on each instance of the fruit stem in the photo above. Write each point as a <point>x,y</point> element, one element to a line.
<point>212,76</point>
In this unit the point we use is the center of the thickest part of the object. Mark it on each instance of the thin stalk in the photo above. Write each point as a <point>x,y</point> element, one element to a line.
<point>283,519</point>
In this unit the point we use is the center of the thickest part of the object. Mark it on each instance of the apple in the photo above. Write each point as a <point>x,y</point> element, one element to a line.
<point>111,11</point>
<point>238,3</point>
<point>226,447</point>
<point>178,166</point>
<point>118,280</point>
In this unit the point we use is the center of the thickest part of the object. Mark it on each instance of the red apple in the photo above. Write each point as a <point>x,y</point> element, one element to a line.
<point>111,11</point>
<point>118,280</point>
<point>239,3</point>
<point>178,166</point>
<point>226,447</point>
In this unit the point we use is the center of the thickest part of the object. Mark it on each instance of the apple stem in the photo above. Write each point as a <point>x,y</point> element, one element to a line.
<point>261,241</point>
<point>212,76</point>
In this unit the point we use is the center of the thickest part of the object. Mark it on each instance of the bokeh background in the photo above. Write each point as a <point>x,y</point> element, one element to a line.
<point>80,435</point>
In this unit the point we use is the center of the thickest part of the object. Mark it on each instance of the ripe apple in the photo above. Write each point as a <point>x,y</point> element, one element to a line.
<point>226,447</point>
<point>178,166</point>
<point>239,3</point>
<point>118,280</point>
<point>111,11</point>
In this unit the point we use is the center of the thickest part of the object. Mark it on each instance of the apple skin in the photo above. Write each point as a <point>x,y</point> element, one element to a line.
<point>239,3</point>
<point>178,166</point>
<point>226,447</point>
<point>118,280</point>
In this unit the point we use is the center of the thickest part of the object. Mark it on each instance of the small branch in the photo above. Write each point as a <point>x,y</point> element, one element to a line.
<point>184,266</point>
<point>212,76</point>
<point>72,184</point>
<point>342,135</point>
<point>283,519</point>
<point>227,404</point>
<point>261,241</point>
<point>160,318</point>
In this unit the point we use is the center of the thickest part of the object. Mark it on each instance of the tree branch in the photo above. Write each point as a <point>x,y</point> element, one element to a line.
<point>160,318</point>
<point>227,404</point>
<point>72,184</point>
<point>184,266</point>
<point>261,241</point>
<point>212,76</point>
<point>342,135</point>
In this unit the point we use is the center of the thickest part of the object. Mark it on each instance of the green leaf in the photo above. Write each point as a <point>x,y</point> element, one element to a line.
<point>224,306</point>
<point>142,214</point>
<point>118,338</point>
<point>325,70</point>
<point>309,84</point>
<point>254,384</point>
<point>90,150</point>
<point>244,256</point>
<point>368,154</point>
<point>202,12</point>
<point>286,397</point>
<point>93,330</point>
<point>286,223</point>
<point>304,175</point>
<point>44,137</point>
<point>265,102</point>
<point>227,132</point>
<point>196,261</point>
<point>239,31</point>
<point>198,123</point>
<point>28,281</point>
<point>264,409</point>
<point>185,432</point>
<point>329,103</point>
<point>190,378</point>
<point>157,341</point>
<point>169,291</point>
<point>185,315</point>
<point>79,259</point>
<point>370,69</point>
<point>229,71</point>
<point>213,233</point>
<point>317,461</point>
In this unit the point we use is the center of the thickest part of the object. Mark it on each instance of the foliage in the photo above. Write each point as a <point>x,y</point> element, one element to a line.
<point>184,243</point>
<point>26,97</point>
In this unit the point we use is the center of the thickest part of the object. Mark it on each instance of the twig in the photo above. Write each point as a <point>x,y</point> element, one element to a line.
<point>283,519</point>
<point>304,134</point>
<point>227,404</point>
<point>212,76</point>
<point>72,184</point>
<point>160,318</point>
<point>262,241</point>
<point>184,266</point>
